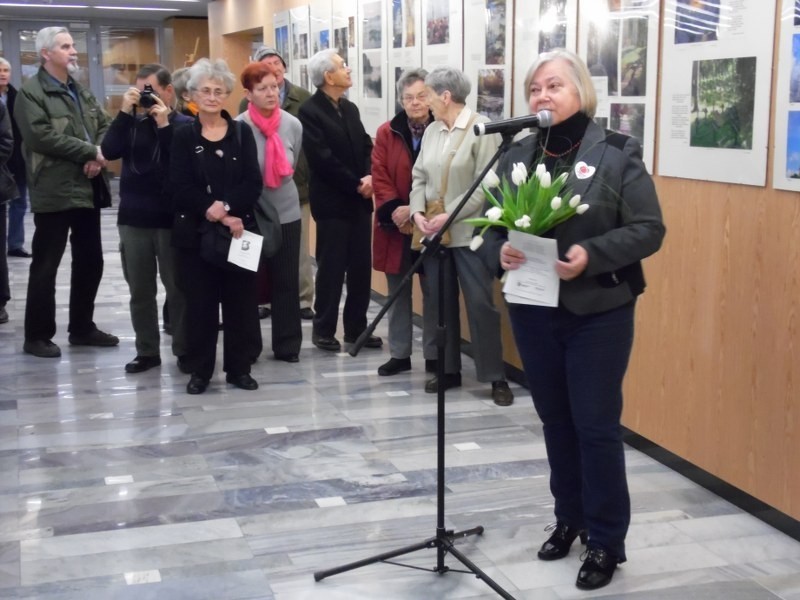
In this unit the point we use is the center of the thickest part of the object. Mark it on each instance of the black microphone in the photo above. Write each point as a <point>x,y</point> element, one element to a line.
<point>544,118</point>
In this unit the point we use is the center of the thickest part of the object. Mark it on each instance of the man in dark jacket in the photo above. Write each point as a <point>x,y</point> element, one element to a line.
<point>146,211</point>
<point>62,125</point>
<point>338,151</point>
<point>292,97</point>
<point>16,164</point>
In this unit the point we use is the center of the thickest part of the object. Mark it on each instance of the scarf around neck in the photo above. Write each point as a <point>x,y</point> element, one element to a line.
<point>276,165</point>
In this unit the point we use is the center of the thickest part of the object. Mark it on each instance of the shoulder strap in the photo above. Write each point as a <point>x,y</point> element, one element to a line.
<point>452,154</point>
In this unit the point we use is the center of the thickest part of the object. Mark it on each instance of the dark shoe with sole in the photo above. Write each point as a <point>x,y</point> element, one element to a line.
<point>431,365</point>
<point>20,253</point>
<point>560,541</point>
<point>142,363</point>
<point>41,348</point>
<point>373,341</point>
<point>306,314</point>
<point>243,382</point>
<point>451,380</point>
<point>597,569</point>
<point>331,344</point>
<point>196,385</point>
<point>501,394</point>
<point>264,312</point>
<point>394,366</point>
<point>290,358</point>
<point>93,338</point>
<point>3,315</point>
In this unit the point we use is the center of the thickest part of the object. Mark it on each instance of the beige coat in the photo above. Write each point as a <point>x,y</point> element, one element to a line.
<point>471,158</point>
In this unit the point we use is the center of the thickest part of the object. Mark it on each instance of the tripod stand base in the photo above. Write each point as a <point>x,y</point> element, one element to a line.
<point>443,542</point>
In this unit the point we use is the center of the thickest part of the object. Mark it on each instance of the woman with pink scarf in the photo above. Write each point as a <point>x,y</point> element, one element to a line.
<point>278,138</point>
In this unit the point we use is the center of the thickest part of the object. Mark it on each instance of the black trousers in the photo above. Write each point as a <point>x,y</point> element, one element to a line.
<point>344,248</point>
<point>5,290</point>
<point>82,225</point>
<point>206,287</point>
<point>284,267</point>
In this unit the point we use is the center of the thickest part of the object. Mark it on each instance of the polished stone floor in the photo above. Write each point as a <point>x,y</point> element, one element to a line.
<point>119,486</point>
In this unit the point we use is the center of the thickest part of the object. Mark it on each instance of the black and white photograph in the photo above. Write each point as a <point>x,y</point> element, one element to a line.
<point>371,71</point>
<point>371,23</point>
<point>340,42</point>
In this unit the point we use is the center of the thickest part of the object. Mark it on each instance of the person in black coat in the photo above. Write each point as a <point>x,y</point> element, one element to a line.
<point>338,150</point>
<point>215,178</point>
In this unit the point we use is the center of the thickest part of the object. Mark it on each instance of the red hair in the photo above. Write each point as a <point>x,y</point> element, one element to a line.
<point>255,72</point>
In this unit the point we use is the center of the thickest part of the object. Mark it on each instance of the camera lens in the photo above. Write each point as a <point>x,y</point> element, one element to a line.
<point>146,97</point>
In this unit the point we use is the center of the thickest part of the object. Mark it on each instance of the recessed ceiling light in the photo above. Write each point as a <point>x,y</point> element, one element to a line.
<point>23,5</point>
<point>136,8</point>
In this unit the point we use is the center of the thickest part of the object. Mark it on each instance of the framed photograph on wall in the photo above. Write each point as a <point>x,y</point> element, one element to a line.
<point>373,35</point>
<point>441,31</point>
<point>786,159</point>
<point>715,90</point>
<point>405,51</point>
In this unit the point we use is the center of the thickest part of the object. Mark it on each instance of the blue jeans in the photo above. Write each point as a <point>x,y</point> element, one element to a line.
<point>16,218</point>
<point>575,366</point>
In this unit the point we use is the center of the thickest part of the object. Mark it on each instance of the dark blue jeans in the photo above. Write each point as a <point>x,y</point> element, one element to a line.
<point>575,366</point>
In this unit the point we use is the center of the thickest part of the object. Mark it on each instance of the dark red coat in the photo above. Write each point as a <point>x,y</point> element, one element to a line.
<point>392,160</point>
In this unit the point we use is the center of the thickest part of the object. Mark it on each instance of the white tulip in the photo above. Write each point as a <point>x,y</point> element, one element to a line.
<point>555,203</point>
<point>523,222</point>
<point>476,243</point>
<point>582,209</point>
<point>494,214</point>
<point>545,180</point>
<point>519,174</point>
<point>561,179</point>
<point>540,169</point>
<point>574,201</point>
<point>491,180</point>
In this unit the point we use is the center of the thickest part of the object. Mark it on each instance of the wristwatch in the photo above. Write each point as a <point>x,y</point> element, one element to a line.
<point>226,206</point>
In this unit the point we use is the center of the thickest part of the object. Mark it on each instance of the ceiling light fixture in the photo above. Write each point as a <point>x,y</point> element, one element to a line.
<point>136,8</point>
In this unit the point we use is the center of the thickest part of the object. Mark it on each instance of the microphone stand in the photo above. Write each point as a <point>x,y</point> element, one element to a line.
<point>444,539</point>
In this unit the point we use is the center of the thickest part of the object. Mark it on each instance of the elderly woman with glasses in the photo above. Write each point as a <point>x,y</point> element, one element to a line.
<point>216,179</point>
<point>450,159</point>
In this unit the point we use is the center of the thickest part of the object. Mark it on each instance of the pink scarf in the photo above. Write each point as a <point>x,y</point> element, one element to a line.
<point>276,165</point>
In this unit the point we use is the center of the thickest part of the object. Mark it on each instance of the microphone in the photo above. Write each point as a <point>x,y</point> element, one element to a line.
<point>544,118</point>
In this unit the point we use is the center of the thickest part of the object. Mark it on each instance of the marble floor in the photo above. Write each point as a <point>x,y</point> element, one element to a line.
<point>119,486</point>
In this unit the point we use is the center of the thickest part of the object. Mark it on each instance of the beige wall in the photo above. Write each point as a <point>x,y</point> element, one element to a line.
<point>715,375</point>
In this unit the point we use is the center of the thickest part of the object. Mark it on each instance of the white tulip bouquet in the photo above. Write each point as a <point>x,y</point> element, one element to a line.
<point>540,202</point>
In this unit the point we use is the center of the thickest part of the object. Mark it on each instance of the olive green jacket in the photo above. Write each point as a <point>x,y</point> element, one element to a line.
<point>58,139</point>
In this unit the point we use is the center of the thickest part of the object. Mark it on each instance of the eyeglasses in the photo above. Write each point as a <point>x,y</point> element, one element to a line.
<point>208,92</point>
<point>422,97</point>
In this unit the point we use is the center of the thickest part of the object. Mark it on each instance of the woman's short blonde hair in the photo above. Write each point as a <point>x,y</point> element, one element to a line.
<point>578,74</point>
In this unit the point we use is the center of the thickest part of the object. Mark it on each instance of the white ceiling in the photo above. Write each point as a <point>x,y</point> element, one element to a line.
<point>51,10</point>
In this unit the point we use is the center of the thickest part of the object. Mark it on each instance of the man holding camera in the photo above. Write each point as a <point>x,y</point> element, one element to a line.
<point>141,135</point>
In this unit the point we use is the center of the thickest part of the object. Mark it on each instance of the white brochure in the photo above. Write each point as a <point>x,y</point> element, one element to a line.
<point>536,281</point>
<point>246,251</point>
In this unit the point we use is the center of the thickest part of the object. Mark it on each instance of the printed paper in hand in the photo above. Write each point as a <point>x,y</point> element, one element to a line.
<point>536,281</point>
<point>246,251</point>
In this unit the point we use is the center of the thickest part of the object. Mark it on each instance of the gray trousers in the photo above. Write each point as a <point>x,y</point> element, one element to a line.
<point>401,327</point>
<point>463,267</point>
<point>147,253</point>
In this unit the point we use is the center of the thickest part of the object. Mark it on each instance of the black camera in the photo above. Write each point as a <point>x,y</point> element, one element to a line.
<point>146,96</point>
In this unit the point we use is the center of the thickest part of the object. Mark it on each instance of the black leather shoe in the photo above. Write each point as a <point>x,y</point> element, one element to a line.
<point>290,358</point>
<point>41,348</point>
<point>95,337</point>
<point>142,363</point>
<point>501,394</point>
<point>558,544</point>
<point>331,344</point>
<point>20,253</point>
<point>451,380</point>
<point>597,569</point>
<point>243,382</point>
<point>306,314</point>
<point>3,315</point>
<point>431,365</point>
<point>196,385</point>
<point>373,341</point>
<point>394,366</point>
<point>264,312</point>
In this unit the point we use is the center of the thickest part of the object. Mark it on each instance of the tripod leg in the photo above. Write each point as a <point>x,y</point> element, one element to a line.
<point>477,571</point>
<point>429,543</point>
